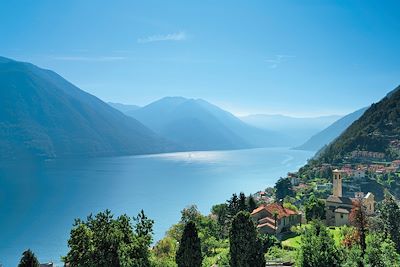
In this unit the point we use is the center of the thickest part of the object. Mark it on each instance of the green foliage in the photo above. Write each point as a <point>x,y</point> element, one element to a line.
<point>104,241</point>
<point>267,241</point>
<point>189,252</point>
<point>318,248</point>
<point>352,257</point>
<point>381,252</point>
<point>372,132</point>
<point>251,204</point>
<point>314,209</point>
<point>390,217</point>
<point>246,249</point>
<point>28,259</point>
<point>163,253</point>
<point>283,188</point>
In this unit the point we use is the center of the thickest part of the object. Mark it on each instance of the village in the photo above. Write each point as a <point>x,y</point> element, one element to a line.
<point>347,184</point>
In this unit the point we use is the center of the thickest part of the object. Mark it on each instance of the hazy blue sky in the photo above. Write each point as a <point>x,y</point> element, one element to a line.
<point>291,57</point>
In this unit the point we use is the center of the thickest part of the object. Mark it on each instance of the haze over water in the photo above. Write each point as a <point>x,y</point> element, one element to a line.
<point>39,201</point>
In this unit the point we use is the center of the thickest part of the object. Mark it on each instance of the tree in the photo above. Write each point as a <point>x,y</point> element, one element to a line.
<point>221,212</point>
<point>318,248</point>
<point>190,213</point>
<point>242,202</point>
<point>251,204</point>
<point>104,241</point>
<point>283,188</point>
<point>233,206</point>
<point>28,259</point>
<point>380,252</point>
<point>245,247</point>
<point>314,209</point>
<point>189,252</point>
<point>359,219</point>
<point>390,216</point>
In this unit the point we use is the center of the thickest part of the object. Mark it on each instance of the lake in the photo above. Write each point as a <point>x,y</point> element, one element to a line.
<point>39,201</point>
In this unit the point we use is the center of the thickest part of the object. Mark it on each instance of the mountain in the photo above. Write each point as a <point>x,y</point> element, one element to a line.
<point>377,130</point>
<point>124,108</point>
<point>43,115</point>
<point>199,125</point>
<point>298,130</point>
<point>323,138</point>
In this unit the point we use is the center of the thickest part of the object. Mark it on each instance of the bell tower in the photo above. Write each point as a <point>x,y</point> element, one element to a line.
<point>337,183</point>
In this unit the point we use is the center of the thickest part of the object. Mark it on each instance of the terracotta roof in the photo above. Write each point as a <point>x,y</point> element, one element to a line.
<point>269,225</point>
<point>275,207</point>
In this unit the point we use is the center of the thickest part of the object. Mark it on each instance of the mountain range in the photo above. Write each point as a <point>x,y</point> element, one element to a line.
<point>374,131</point>
<point>198,125</point>
<point>297,129</point>
<point>43,115</point>
<point>326,136</point>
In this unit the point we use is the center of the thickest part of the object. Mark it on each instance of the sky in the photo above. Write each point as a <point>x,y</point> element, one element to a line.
<point>300,58</point>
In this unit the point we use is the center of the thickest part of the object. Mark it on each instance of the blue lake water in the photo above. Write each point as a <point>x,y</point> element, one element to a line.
<point>39,201</point>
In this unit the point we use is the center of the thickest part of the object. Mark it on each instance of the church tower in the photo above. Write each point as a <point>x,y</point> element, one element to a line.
<point>337,183</point>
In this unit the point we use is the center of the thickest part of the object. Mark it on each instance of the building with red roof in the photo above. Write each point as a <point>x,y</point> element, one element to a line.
<point>274,218</point>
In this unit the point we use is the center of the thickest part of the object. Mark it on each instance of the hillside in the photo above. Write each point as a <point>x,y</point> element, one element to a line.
<point>198,125</point>
<point>297,129</point>
<point>377,130</point>
<point>123,107</point>
<point>43,115</point>
<point>326,136</point>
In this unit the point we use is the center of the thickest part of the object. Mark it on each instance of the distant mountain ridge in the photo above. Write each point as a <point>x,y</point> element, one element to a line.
<point>373,131</point>
<point>124,108</point>
<point>43,115</point>
<point>198,125</point>
<point>326,136</point>
<point>298,130</point>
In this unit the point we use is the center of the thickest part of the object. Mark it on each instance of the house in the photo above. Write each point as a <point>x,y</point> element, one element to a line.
<point>358,174</point>
<point>323,187</point>
<point>274,218</point>
<point>338,208</point>
<point>295,181</point>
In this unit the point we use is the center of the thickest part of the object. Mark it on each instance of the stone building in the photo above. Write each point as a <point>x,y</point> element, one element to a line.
<point>338,208</point>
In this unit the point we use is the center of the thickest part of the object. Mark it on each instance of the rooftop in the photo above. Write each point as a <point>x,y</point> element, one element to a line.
<point>275,207</point>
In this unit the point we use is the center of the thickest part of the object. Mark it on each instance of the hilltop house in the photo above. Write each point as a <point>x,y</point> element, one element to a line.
<point>274,218</point>
<point>338,208</point>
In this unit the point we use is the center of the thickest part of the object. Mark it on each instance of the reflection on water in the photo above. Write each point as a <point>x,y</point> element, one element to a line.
<point>39,200</point>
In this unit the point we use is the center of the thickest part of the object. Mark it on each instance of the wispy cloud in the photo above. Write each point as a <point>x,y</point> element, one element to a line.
<point>88,59</point>
<point>278,59</point>
<point>178,36</point>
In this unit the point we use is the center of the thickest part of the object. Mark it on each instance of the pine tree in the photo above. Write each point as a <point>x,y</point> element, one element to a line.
<point>246,249</point>
<point>242,202</point>
<point>189,252</point>
<point>28,259</point>
<point>233,205</point>
<point>251,204</point>
<point>390,216</point>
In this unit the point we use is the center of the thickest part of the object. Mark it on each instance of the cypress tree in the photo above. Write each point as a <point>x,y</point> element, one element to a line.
<point>189,252</point>
<point>28,259</point>
<point>245,247</point>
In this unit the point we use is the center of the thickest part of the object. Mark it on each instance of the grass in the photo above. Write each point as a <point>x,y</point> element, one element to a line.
<point>294,241</point>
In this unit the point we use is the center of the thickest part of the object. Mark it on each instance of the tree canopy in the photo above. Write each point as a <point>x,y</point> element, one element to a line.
<point>246,249</point>
<point>189,252</point>
<point>28,259</point>
<point>103,241</point>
